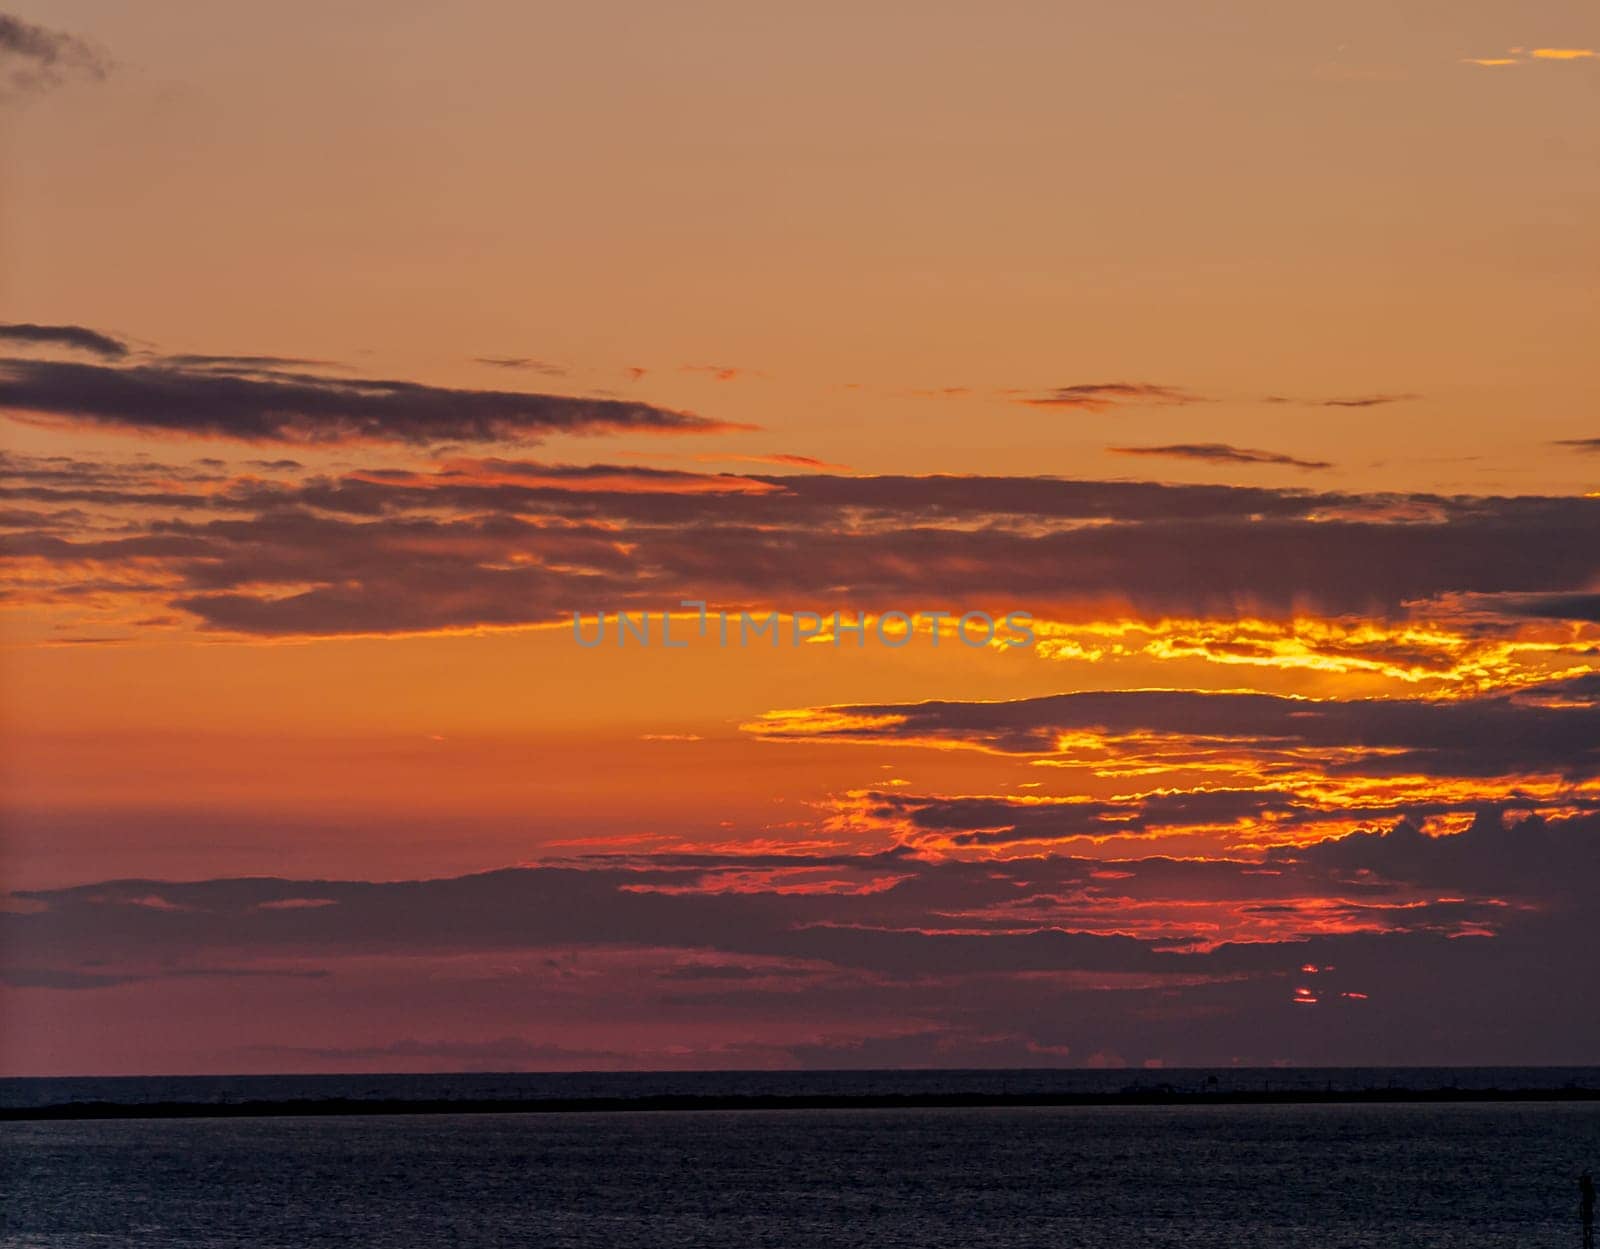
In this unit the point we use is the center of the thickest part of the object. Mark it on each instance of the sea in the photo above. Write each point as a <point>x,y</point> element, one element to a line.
<point>1391,1175</point>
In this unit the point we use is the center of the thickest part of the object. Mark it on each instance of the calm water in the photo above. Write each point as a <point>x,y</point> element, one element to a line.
<point>1386,1177</point>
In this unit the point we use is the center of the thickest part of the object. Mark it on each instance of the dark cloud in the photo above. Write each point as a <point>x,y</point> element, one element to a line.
<point>74,336</point>
<point>587,567</point>
<point>71,471</point>
<point>34,58</point>
<point>1577,606</point>
<point>1544,861</point>
<point>266,406</point>
<point>1098,396</point>
<point>988,820</point>
<point>497,1054</point>
<point>892,912</point>
<point>1581,444</point>
<point>1490,736</point>
<point>56,978</point>
<point>1000,820</point>
<point>512,541</point>
<point>1443,938</point>
<point>597,905</point>
<point>723,972</point>
<point>48,978</point>
<point>1034,504</point>
<point>1367,401</point>
<point>944,497</point>
<point>1220,453</point>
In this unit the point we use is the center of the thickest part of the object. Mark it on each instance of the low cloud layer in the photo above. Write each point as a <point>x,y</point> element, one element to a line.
<point>1382,946</point>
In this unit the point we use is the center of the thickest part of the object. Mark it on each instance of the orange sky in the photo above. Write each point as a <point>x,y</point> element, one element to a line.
<point>345,353</point>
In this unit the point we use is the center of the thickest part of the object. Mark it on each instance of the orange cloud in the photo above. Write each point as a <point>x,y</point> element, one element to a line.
<point>1517,56</point>
<point>717,372</point>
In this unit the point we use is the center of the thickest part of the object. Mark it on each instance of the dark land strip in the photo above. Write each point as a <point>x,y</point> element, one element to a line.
<point>1159,1096</point>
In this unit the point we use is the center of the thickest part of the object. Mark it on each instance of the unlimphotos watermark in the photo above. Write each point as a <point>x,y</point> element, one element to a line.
<point>893,629</point>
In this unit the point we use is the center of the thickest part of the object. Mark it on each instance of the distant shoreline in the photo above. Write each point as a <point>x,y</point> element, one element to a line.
<point>343,1106</point>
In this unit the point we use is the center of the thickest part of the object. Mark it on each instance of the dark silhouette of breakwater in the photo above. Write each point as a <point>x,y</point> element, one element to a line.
<point>1162,1095</point>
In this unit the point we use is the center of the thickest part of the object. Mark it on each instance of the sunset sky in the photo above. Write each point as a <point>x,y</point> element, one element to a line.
<point>347,351</point>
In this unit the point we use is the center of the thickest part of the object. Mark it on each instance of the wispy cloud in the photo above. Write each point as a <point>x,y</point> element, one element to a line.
<point>1220,453</point>
<point>1349,401</point>
<point>526,363</point>
<point>717,372</point>
<point>1098,396</point>
<point>778,459</point>
<point>35,58</point>
<point>244,364</point>
<point>941,392</point>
